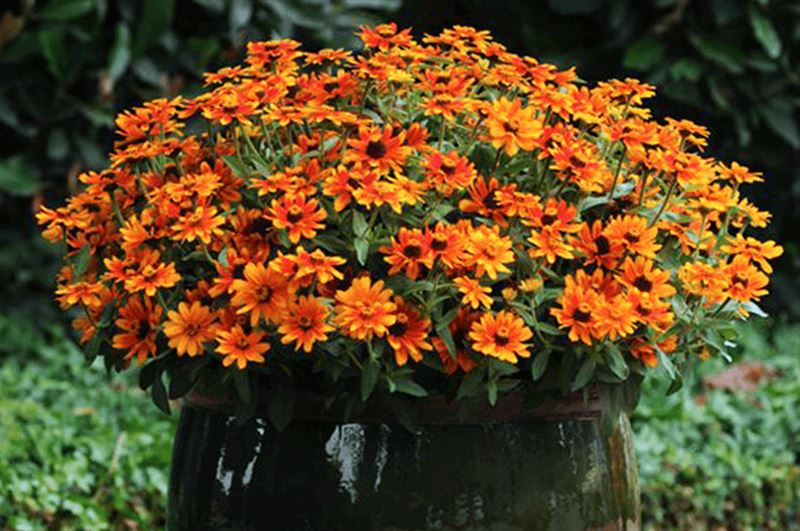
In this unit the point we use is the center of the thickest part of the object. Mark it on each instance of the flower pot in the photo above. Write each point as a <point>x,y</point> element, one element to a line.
<point>466,467</point>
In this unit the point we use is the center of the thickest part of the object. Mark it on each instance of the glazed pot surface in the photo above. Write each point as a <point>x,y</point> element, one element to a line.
<point>533,475</point>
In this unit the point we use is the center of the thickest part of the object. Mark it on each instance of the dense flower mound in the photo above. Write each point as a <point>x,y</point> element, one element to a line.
<point>441,212</point>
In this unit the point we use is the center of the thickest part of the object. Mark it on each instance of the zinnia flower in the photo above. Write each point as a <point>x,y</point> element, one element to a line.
<point>139,323</point>
<point>262,293</point>
<point>189,327</point>
<point>240,347</point>
<point>305,323</point>
<point>365,309</point>
<point>501,336</point>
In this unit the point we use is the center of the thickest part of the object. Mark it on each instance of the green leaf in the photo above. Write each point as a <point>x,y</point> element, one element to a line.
<point>615,361</point>
<point>281,399</point>
<point>471,382</point>
<point>120,56</point>
<point>675,385</point>
<point>81,261</point>
<point>410,387</point>
<point>369,377</point>
<point>754,308</point>
<point>155,21</point>
<point>362,250</point>
<point>239,14</point>
<point>51,43</point>
<point>62,10</point>
<point>539,364</point>
<point>359,224</point>
<point>147,374</point>
<point>719,51</point>
<point>644,54</point>
<point>779,115</point>
<point>159,394</point>
<point>57,145</point>
<point>491,392</point>
<point>443,331</point>
<point>241,380</point>
<point>585,373</point>
<point>17,177</point>
<point>686,69</point>
<point>765,32</point>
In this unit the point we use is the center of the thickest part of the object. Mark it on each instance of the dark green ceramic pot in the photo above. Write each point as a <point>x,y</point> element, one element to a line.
<point>467,467</point>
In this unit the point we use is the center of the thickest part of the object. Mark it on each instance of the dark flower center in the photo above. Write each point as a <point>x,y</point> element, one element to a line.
<point>143,330</point>
<point>581,316</point>
<point>398,328</point>
<point>631,238</point>
<point>294,215</point>
<point>447,168</point>
<point>501,339</point>
<point>548,219</point>
<point>642,283</point>
<point>259,226</point>
<point>376,149</point>
<point>412,251</point>
<point>305,323</point>
<point>603,246</point>
<point>264,293</point>
<point>438,243</point>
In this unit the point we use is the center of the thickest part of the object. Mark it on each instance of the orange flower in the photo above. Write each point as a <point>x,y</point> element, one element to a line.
<point>512,127</point>
<point>632,233</point>
<point>753,249</point>
<point>409,251</point>
<point>302,218</point>
<point>305,323</point>
<point>151,276</point>
<point>642,275</point>
<point>550,245</point>
<point>365,309</point>
<point>488,251</point>
<point>378,149</point>
<point>139,324</point>
<point>501,336</point>
<point>407,336</point>
<point>203,222</point>
<point>240,347</point>
<point>448,244</point>
<point>745,281</point>
<point>86,293</point>
<point>615,318</point>
<point>651,311</point>
<point>188,328</point>
<point>577,311</point>
<point>474,294</point>
<point>595,246</point>
<point>704,280</point>
<point>449,172</point>
<point>262,293</point>
<point>459,328</point>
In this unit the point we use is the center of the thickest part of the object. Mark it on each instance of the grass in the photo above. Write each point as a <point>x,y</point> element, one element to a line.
<point>81,451</point>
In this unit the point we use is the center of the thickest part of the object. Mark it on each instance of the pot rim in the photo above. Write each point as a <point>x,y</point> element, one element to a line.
<point>431,410</point>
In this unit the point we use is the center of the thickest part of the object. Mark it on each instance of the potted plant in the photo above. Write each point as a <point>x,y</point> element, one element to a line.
<point>413,287</point>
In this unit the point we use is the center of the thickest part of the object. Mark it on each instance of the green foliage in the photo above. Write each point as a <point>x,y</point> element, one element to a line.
<point>713,458</point>
<point>77,451</point>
